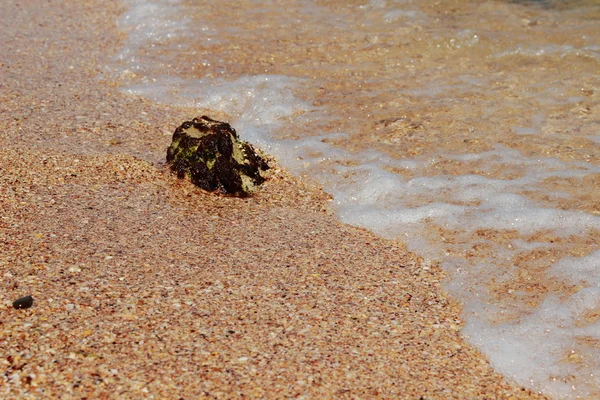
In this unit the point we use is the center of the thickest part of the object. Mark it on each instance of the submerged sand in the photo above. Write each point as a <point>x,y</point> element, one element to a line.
<point>147,287</point>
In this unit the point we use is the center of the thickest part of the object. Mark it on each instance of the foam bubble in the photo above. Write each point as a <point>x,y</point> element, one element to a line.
<point>584,270</point>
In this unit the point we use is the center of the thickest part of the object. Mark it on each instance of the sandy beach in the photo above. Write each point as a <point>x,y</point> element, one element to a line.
<point>147,287</point>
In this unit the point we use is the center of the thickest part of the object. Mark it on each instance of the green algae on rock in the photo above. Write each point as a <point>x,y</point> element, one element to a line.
<point>211,154</point>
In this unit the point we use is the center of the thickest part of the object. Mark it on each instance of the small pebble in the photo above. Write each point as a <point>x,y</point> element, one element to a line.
<point>23,302</point>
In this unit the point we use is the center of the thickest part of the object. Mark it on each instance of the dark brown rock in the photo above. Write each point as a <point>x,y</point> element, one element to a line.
<point>211,154</point>
<point>23,302</point>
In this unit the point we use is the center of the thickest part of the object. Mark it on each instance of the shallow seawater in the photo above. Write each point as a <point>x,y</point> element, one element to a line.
<point>469,130</point>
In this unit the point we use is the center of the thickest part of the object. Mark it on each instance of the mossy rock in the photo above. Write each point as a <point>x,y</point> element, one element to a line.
<point>211,154</point>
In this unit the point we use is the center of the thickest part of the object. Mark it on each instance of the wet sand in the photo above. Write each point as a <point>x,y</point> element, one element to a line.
<point>146,287</point>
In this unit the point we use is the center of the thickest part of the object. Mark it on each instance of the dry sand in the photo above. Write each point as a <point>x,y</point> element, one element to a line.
<point>146,287</point>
